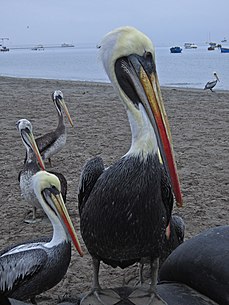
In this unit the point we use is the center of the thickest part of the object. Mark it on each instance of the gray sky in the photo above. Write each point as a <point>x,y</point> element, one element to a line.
<point>73,21</point>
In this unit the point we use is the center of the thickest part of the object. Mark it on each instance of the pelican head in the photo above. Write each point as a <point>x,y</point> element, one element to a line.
<point>216,76</point>
<point>58,99</point>
<point>48,191</point>
<point>128,57</point>
<point>25,128</point>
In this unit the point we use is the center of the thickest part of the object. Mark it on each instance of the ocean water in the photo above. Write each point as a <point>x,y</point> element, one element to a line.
<point>190,69</point>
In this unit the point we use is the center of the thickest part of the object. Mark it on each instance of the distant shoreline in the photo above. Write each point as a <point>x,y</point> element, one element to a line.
<point>102,83</point>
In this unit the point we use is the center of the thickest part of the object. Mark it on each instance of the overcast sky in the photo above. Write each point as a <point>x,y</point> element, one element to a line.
<point>86,21</point>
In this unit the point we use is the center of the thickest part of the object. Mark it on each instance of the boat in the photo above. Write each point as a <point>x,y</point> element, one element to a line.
<point>224,50</point>
<point>175,50</point>
<point>224,40</point>
<point>67,45</point>
<point>190,45</point>
<point>4,49</point>
<point>38,48</point>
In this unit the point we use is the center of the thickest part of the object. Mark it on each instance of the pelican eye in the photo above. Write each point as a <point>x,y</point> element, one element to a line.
<point>148,63</point>
<point>54,190</point>
<point>27,130</point>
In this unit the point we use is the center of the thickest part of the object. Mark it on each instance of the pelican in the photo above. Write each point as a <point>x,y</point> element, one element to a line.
<point>52,142</point>
<point>211,84</point>
<point>125,209</point>
<point>33,163</point>
<point>33,267</point>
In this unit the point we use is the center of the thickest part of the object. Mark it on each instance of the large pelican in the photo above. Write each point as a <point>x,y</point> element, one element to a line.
<point>32,164</point>
<point>125,209</point>
<point>52,142</point>
<point>33,267</point>
<point>211,84</point>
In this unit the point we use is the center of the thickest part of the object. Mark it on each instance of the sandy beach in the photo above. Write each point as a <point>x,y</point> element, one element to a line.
<point>199,123</point>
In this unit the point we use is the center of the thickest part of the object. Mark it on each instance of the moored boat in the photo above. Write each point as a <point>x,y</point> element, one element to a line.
<point>67,45</point>
<point>4,49</point>
<point>176,50</point>
<point>39,47</point>
<point>190,45</point>
<point>224,50</point>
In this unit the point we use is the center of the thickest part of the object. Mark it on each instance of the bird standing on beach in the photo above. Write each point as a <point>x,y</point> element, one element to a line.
<point>32,164</point>
<point>211,84</point>
<point>125,209</point>
<point>33,267</point>
<point>52,142</point>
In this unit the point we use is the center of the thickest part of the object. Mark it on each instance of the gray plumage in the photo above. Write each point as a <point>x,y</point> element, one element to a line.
<point>31,167</point>
<point>52,142</point>
<point>30,272</point>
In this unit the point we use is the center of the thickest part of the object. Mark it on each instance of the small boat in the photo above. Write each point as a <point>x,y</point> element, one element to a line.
<point>38,48</point>
<point>190,45</point>
<point>4,49</point>
<point>213,46</point>
<point>67,45</point>
<point>175,50</point>
<point>224,50</point>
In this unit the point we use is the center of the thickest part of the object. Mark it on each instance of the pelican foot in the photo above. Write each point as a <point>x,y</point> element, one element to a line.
<point>101,297</point>
<point>32,220</point>
<point>145,295</point>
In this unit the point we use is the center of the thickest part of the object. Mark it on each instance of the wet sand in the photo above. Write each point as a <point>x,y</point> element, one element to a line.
<point>199,122</point>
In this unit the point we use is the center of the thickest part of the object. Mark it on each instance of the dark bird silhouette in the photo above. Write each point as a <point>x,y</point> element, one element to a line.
<point>211,84</point>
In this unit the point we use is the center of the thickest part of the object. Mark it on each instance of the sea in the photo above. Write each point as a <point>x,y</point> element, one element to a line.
<point>192,68</point>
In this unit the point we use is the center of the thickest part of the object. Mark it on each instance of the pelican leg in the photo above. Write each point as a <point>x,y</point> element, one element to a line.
<point>154,267</point>
<point>141,267</point>
<point>97,296</point>
<point>33,300</point>
<point>96,265</point>
<point>50,164</point>
<point>147,294</point>
<point>34,218</point>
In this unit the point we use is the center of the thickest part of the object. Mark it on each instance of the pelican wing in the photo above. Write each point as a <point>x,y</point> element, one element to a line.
<point>166,193</point>
<point>17,268</point>
<point>45,141</point>
<point>90,174</point>
<point>210,84</point>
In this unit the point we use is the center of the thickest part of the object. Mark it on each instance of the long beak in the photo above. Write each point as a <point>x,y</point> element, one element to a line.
<point>66,111</point>
<point>147,86</point>
<point>66,220</point>
<point>33,144</point>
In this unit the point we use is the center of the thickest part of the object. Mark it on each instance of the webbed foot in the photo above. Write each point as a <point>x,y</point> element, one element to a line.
<point>100,297</point>
<point>146,295</point>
